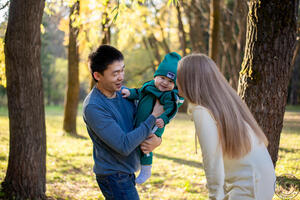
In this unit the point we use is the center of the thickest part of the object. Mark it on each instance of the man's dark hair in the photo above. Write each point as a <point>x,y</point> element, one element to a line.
<point>102,57</point>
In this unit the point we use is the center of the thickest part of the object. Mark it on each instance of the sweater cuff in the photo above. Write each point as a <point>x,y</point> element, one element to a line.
<point>150,122</point>
<point>133,93</point>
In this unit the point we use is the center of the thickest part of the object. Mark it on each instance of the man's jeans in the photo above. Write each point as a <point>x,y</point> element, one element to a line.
<point>119,186</point>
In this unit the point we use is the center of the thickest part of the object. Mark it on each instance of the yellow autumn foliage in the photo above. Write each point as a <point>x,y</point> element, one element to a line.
<point>2,64</point>
<point>131,22</point>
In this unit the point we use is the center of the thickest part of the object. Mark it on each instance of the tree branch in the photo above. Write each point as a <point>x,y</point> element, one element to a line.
<point>4,6</point>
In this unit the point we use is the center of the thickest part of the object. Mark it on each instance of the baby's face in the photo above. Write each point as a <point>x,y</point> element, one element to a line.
<point>164,83</point>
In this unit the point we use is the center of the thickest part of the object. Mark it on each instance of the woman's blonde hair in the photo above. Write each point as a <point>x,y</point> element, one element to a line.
<point>202,83</point>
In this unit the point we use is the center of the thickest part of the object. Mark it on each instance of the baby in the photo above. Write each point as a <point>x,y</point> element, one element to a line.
<point>162,87</point>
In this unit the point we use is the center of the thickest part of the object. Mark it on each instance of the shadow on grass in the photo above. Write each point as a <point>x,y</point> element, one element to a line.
<point>289,150</point>
<point>75,135</point>
<point>79,137</point>
<point>64,167</point>
<point>2,157</point>
<point>291,127</point>
<point>181,161</point>
<point>73,170</point>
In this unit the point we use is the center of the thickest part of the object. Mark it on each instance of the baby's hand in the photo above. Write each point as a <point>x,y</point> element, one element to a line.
<point>125,92</point>
<point>160,123</point>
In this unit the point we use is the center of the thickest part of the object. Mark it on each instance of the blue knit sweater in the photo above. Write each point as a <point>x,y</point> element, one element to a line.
<point>110,124</point>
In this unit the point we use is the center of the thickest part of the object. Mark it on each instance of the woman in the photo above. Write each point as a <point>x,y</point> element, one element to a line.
<point>236,161</point>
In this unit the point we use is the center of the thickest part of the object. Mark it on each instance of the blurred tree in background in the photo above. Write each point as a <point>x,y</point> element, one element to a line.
<point>144,31</point>
<point>3,24</point>
<point>72,89</point>
<point>52,54</point>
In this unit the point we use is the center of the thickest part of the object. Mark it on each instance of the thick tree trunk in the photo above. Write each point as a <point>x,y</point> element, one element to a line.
<point>265,74</point>
<point>26,170</point>
<point>214,29</point>
<point>72,92</point>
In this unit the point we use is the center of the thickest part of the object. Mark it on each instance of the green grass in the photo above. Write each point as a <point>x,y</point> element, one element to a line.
<point>177,169</point>
<point>293,108</point>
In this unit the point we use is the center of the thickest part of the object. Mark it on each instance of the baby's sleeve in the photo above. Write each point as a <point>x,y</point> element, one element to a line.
<point>134,93</point>
<point>169,101</point>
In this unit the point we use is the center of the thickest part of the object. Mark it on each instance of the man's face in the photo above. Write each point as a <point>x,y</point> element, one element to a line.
<point>112,78</point>
<point>164,83</point>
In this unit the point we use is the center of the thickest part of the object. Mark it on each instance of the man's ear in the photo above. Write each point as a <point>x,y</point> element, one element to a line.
<point>97,75</point>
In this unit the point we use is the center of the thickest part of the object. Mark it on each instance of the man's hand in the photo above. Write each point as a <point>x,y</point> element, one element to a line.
<point>160,123</point>
<point>125,93</point>
<point>150,143</point>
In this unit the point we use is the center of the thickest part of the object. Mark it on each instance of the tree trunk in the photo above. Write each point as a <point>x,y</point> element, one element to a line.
<point>106,35</point>
<point>294,91</point>
<point>266,69</point>
<point>182,34</point>
<point>198,23</point>
<point>240,18</point>
<point>151,44</point>
<point>92,82</point>
<point>294,85</point>
<point>106,29</point>
<point>214,29</point>
<point>296,52</point>
<point>183,46</point>
<point>233,40</point>
<point>26,170</point>
<point>164,43</point>
<point>72,92</point>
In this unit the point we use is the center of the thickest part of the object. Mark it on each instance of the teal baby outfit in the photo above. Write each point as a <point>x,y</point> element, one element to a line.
<point>148,93</point>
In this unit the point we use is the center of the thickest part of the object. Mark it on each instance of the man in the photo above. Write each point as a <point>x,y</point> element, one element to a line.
<point>109,120</point>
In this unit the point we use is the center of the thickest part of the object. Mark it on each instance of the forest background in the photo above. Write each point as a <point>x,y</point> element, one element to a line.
<point>145,31</point>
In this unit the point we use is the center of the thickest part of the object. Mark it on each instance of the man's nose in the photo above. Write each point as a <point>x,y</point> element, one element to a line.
<point>121,77</point>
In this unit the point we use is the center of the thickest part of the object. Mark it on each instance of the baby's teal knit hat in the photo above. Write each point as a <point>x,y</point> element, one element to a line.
<point>168,67</point>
